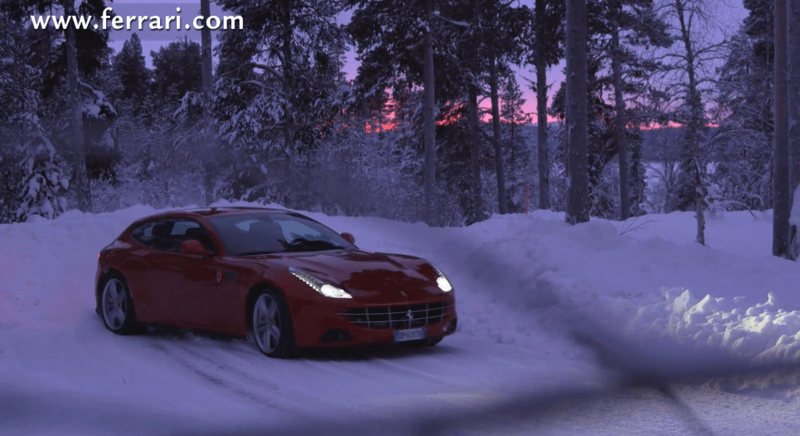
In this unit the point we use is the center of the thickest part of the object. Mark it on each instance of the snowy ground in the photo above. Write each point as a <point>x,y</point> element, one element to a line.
<point>521,282</point>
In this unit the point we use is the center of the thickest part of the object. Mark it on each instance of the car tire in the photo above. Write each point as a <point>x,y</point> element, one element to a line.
<point>271,325</point>
<point>116,307</point>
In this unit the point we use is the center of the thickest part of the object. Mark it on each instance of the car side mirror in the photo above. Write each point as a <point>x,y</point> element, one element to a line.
<point>194,247</point>
<point>349,237</point>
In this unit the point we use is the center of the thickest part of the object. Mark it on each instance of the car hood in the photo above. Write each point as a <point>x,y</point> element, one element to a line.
<point>370,277</point>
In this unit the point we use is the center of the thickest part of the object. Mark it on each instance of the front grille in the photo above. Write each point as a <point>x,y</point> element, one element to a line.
<point>397,317</point>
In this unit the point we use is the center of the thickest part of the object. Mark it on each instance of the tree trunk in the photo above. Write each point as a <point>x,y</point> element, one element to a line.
<point>477,211</point>
<point>288,114</point>
<point>80,182</point>
<point>696,121</point>
<point>793,62</point>
<point>429,119</point>
<point>541,109</point>
<point>781,181</point>
<point>498,140</point>
<point>208,89</point>
<point>621,133</point>
<point>793,51</point>
<point>577,114</point>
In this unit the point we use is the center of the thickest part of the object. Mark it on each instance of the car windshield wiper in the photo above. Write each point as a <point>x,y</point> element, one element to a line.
<point>303,244</point>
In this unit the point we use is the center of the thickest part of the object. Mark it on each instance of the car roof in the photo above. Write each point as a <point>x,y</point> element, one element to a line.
<point>231,210</point>
<point>216,211</point>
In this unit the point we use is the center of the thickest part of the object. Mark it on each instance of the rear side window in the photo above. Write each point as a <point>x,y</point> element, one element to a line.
<point>144,233</point>
<point>167,234</point>
<point>181,227</point>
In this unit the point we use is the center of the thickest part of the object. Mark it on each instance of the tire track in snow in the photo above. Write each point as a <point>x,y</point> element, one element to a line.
<point>229,369</point>
<point>408,369</point>
<point>250,377</point>
<point>240,381</point>
<point>222,382</point>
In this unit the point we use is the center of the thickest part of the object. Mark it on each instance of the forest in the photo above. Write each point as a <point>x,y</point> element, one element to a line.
<point>432,128</point>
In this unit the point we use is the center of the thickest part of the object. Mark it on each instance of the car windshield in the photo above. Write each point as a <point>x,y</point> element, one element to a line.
<point>268,233</point>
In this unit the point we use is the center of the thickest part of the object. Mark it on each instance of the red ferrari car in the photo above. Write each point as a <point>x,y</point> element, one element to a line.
<point>276,276</point>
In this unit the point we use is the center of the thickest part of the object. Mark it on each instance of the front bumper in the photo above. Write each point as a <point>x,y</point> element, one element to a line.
<point>332,325</point>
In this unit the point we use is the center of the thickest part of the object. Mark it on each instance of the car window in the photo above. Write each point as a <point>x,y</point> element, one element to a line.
<point>262,233</point>
<point>245,225</point>
<point>182,226</point>
<point>144,233</point>
<point>295,229</point>
<point>167,234</point>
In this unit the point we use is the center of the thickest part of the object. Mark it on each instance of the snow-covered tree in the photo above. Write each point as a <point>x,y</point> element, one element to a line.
<point>131,70</point>
<point>176,70</point>
<point>276,82</point>
<point>743,149</point>
<point>520,172</point>
<point>690,78</point>
<point>546,49</point>
<point>31,178</point>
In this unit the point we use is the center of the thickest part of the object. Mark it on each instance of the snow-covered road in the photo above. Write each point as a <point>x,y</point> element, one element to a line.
<point>84,380</point>
<point>209,381</point>
<point>519,279</point>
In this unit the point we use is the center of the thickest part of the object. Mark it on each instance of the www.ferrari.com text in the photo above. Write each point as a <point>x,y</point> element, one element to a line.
<point>138,22</point>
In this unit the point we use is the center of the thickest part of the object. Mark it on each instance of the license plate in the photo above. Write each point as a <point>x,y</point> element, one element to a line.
<point>409,335</point>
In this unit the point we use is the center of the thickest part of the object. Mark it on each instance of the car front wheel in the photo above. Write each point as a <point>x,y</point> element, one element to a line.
<point>271,325</point>
<point>116,307</point>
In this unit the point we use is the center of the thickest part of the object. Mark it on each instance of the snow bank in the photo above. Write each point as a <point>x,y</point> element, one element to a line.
<point>761,331</point>
<point>522,278</point>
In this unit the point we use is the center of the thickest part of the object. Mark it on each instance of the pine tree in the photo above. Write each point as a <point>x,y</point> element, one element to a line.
<point>177,70</point>
<point>130,68</point>
<point>546,49</point>
<point>633,22</point>
<point>402,39</point>
<point>516,140</point>
<point>70,65</point>
<point>621,33</point>
<point>743,151</point>
<point>281,86</point>
<point>31,177</point>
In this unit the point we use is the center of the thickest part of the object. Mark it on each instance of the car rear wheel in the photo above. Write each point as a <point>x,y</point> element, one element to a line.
<point>271,325</point>
<point>116,307</point>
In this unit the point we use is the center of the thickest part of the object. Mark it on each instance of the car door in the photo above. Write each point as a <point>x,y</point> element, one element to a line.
<point>207,284</point>
<point>170,276</point>
<point>152,285</point>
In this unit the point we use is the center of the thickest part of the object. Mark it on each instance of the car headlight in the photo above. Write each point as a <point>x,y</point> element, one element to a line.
<point>319,285</point>
<point>441,280</point>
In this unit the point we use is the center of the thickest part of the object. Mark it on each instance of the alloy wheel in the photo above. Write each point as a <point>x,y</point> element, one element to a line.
<point>267,325</point>
<point>115,304</point>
